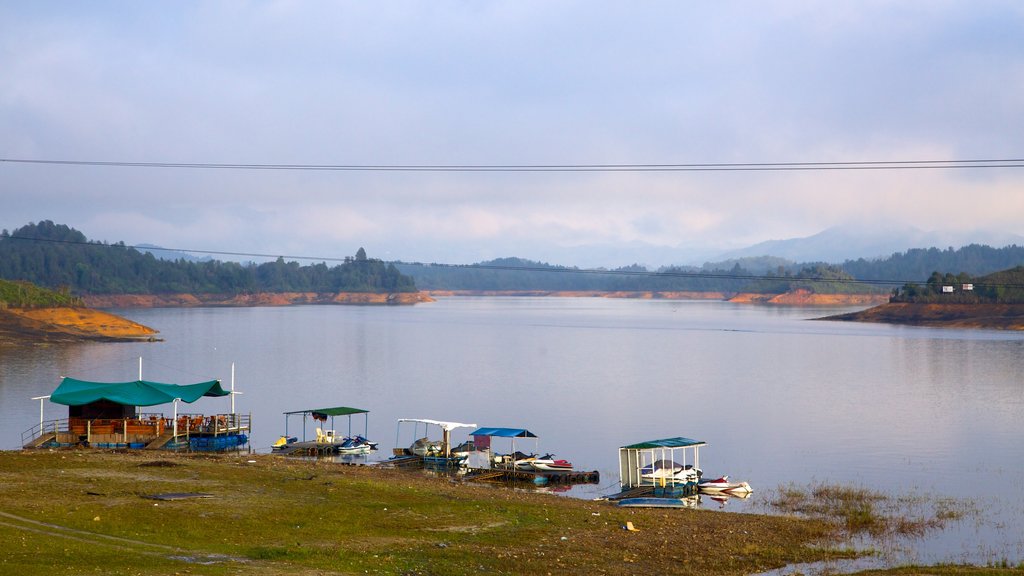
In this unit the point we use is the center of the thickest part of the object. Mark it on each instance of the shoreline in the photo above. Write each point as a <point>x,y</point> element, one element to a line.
<point>66,324</point>
<point>973,316</point>
<point>257,299</point>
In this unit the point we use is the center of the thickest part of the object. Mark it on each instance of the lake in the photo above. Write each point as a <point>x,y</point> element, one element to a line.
<point>778,398</point>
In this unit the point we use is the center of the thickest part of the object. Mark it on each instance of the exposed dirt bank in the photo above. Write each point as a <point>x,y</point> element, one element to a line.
<point>994,316</point>
<point>583,294</point>
<point>262,299</point>
<point>797,298</point>
<point>808,298</point>
<point>69,325</point>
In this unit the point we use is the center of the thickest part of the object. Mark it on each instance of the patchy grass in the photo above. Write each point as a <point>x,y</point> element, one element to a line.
<point>863,511</point>
<point>86,511</point>
<point>281,516</point>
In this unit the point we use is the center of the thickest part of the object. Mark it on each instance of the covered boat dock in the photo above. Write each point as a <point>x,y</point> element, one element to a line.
<point>327,441</point>
<point>484,466</point>
<point>106,415</point>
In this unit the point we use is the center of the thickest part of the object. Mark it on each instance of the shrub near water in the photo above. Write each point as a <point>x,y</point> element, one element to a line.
<point>863,511</point>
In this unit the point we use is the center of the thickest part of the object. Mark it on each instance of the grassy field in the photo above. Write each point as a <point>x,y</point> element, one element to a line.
<point>89,512</point>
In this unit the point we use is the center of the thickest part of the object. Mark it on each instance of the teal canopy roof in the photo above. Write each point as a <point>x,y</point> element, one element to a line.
<point>677,442</point>
<point>336,411</point>
<point>504,432</point>
<point>72,392</point>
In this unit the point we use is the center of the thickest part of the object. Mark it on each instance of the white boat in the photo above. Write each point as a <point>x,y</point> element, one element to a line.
<point>548,463</point>
<point>670,470</point>
<point>723,485</point>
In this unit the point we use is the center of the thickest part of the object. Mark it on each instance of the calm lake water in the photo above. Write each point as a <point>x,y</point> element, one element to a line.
<point>779,399</point>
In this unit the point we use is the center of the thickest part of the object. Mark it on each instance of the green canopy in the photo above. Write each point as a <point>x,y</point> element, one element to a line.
<point>678,442</point>
<point>337,411</point>
<point>72,392</point>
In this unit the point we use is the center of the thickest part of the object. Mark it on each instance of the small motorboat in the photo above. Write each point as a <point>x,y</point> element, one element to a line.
<point>425,447</point>
<point>548,463</point>
<point>669,470</point>
<point>723,485</point>
<point>518,460</point>
<point>656,502</point>
<point>283,441</point>
<point>355,445</point>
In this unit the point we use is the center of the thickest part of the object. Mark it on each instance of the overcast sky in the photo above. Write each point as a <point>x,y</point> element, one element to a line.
<point>511,83</point>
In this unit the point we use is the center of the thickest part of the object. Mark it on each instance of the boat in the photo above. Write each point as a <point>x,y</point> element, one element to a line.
<point>669,469</point>
<point>548,463</point>
<point>356,445</point>
<point>516,460</point>
<point>655,502</point>
<point>425,447</point>
<point>432,453</point>
<point>723,484</point>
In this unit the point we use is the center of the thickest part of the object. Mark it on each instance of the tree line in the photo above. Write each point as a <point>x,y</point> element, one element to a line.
<point>59,257</point>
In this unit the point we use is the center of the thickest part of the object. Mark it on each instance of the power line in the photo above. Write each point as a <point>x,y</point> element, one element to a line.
<point>685,167</point>
<point>497,267</point>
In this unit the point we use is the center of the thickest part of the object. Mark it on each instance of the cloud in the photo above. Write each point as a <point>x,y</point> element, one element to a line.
<point>523,83</point>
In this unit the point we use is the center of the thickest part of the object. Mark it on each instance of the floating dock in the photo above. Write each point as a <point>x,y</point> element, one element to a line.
<point>537,477</point>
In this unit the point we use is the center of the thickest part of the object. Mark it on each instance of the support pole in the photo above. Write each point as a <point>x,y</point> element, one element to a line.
<point>40,398</point>
<point>175,426</point>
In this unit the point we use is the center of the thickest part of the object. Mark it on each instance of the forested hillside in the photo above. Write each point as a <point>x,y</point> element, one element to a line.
<point>1005,287</point>
<point>762,275</point>
<point>919,263</point>
<point>520,274</point>
<point>59,257</point>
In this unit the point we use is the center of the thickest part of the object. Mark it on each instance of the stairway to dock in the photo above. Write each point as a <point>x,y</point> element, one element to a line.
<point>160,441</point>
<point>40,440</point>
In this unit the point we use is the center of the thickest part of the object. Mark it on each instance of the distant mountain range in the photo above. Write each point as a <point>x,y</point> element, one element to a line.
<point>841,243</point>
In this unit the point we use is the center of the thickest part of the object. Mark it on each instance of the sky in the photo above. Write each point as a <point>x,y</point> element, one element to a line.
<point>461,83</point>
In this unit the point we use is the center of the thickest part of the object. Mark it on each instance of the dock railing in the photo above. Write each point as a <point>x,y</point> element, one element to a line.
<point>55,427</point>
<point>142,427</point>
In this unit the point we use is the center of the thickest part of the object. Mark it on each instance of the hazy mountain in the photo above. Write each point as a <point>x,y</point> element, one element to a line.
<point>841,243</point>
<point>170,255</point>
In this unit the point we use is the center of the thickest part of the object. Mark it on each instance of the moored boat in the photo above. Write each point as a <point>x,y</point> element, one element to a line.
<point>722,484</point>
<point>548,463</point>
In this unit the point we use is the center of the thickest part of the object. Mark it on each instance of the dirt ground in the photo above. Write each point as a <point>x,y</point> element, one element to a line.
<point>68,324</point>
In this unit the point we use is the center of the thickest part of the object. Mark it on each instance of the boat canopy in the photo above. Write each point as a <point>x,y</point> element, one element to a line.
<point>73,392</point>
<point>336,411</point>
<point>446,426</point>
<point>504,432</point>
<point>677,442</point>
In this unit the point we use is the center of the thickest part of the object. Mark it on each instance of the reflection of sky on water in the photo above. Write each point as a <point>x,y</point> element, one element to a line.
<point>778,399</point>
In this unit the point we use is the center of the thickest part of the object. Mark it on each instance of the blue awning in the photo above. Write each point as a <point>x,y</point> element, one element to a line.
<point>504,432</point>
<point>677,442</point>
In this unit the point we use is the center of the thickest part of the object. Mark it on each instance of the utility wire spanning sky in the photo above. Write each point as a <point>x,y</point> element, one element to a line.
<point>523,84</point>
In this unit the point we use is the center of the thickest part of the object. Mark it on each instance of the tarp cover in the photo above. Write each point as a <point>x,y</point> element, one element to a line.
<point>72,392</point>
<point>678,442</point>
<point>336,411</point>
<point>504,433</point>
<point>447,426</point>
